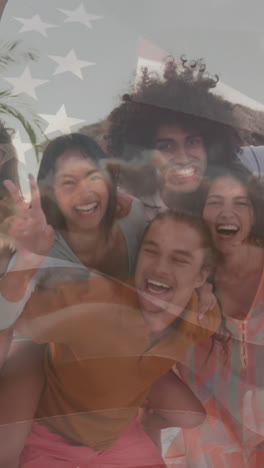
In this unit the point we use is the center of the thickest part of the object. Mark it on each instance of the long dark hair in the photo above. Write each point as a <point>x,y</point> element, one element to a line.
<point>46,177</point>
<point>255,189</point>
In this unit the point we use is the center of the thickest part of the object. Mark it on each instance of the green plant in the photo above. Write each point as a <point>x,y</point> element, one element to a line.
<point>12,104</point>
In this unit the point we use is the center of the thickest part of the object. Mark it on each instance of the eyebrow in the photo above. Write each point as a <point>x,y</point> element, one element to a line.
<point>87,174</point>
<point>163,139</point>
<point>237,197</point>
<point>184,253</point>
<point>170,139</point>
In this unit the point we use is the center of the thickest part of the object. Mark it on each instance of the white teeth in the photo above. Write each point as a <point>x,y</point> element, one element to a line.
<point>157,284</point>
<point>88,207</point>
<point>228,227</point>
<point>185,172</point>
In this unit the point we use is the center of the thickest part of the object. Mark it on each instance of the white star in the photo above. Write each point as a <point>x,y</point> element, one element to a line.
<point>21,147</point>
<point>70,63</point>
<point>80,15</point>
<point>60,121</point>
<point>35,24</point>
<point>25,83</point>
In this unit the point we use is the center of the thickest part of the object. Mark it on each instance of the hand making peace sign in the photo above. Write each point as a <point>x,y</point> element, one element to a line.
<point>28,227</point>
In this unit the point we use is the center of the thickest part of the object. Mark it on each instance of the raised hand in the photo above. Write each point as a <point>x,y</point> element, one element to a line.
<point>28,227</point>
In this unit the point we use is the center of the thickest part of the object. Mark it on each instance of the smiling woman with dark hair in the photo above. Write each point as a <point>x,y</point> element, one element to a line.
<point>83,237</point>
<point>231,384</point>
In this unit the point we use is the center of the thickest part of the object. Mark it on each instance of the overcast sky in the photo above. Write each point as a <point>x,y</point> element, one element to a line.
<point>229,36</point>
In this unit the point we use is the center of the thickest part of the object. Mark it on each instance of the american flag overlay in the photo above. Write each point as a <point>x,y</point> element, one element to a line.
<point>87,52</point>
<point>71,79</point>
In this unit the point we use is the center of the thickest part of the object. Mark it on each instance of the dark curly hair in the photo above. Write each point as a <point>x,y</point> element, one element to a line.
<point>182,95</point>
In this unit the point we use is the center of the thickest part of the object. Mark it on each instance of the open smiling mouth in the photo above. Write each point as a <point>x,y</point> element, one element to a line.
<point>87,209</point>
<point>155,287</point>
<point>182,173</point>
<point>227,231</point>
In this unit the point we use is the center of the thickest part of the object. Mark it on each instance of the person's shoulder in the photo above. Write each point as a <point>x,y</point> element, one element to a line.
<point>98,289</point>
<point>128,206</point>
<point>133,224</point>
<point>253,158</point>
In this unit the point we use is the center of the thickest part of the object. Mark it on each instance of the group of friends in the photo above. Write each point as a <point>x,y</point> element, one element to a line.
<point>132,289</point>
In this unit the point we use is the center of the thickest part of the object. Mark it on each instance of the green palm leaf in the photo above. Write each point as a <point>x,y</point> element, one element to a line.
<point>11,104</point>
<point>31,132</point>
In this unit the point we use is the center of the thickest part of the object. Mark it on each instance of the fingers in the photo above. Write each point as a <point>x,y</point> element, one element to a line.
<point>20,204</point>
<point>202,313</point>
<point>35,195</point>
<point>205,308</point>
<point>14,192</point>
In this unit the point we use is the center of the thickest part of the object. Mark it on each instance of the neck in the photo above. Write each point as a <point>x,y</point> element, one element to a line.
<point>84,241</point>
<point>161,323</point>
<point>235,261</point>
<point>178,200</point>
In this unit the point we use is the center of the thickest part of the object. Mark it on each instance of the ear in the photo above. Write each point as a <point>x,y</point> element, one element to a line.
<point>202,277</point>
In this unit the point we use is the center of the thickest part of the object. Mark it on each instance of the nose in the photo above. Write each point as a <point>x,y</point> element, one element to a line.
<point>180,155</point>
<point>227,212</point>
<point>161,266</point>
<point>84,187</point>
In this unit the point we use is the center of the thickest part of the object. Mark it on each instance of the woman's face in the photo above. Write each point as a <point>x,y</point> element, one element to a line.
<point>81,191</point>
<point>228,212</point>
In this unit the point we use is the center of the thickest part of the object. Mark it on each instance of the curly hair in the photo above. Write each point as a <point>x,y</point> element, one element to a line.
<point>182,95</point>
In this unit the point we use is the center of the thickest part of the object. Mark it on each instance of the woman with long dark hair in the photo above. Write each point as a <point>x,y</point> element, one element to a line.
<point>77,197</point>
<point>227,374</point>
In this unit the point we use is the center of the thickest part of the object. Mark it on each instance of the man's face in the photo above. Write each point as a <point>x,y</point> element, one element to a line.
<point>169,268</point>
<point>180,158</point>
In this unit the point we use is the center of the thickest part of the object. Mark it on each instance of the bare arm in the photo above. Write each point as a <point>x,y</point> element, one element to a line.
<point>173,404</point>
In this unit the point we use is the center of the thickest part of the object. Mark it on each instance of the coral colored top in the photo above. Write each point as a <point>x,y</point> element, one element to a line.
<point>232,390</point>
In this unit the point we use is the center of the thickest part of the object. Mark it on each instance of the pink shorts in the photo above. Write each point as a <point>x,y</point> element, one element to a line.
<point>134,449</point>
